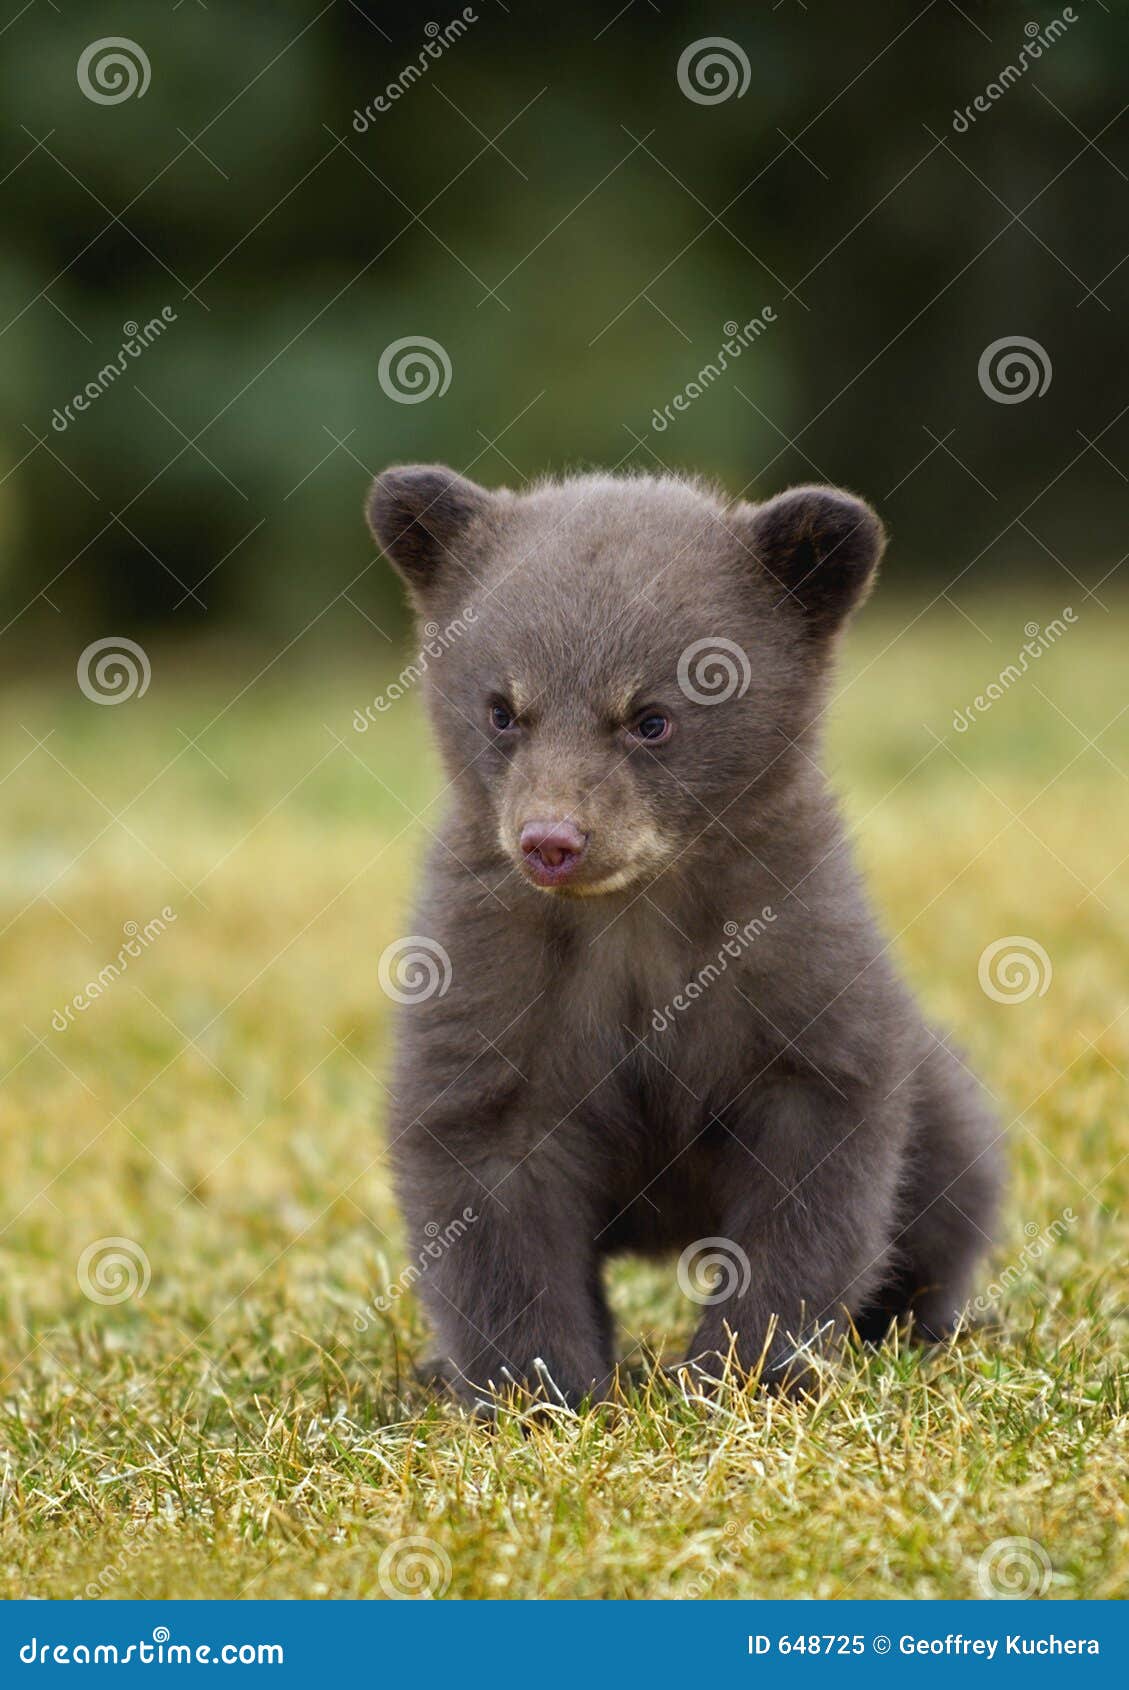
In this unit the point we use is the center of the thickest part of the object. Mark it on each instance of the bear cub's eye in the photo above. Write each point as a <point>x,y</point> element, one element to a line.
<point>652,727</point>
<point>501,716</point>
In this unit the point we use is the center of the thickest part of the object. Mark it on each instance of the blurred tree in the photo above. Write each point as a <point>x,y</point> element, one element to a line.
<point>573,221</point>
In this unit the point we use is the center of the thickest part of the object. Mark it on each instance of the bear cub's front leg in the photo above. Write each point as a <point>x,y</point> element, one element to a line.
<point>516,1301</point>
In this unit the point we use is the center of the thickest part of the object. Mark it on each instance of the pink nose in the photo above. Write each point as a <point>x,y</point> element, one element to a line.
<point>551,850</point>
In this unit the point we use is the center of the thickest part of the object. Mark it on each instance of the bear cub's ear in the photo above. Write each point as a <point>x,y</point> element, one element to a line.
<point>419,515</point>
<point>822,547</point>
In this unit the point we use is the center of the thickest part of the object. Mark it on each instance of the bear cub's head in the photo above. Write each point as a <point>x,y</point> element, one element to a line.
<point>624,672</point>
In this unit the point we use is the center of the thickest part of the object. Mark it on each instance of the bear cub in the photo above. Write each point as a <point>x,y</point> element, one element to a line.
<point>659,1016</point>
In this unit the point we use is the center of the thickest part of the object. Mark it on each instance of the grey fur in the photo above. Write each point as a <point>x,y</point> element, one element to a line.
<point>797,1105</point>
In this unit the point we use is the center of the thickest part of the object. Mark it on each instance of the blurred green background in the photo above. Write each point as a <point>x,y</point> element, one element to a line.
<point>548,205</point>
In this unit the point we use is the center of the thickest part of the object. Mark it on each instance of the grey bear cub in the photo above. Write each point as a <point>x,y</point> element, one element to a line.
<point>663,1018</point>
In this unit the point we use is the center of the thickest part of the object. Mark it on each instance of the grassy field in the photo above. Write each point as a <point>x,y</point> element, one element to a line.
<point>226,1423</point>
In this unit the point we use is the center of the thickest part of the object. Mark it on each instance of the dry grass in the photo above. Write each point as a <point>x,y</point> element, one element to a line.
<point>231,1431</point>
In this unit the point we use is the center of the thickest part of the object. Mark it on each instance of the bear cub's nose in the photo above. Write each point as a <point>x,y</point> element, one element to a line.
<point>551,850</point>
